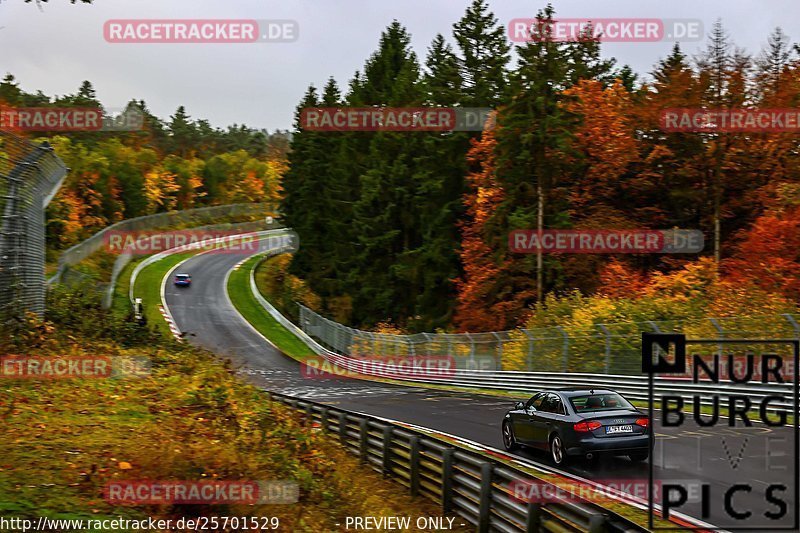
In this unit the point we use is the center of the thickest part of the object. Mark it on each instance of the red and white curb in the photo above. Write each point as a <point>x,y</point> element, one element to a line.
<point>171,323</point>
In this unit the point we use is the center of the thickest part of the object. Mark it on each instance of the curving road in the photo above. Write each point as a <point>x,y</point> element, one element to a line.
<point>205,313</point>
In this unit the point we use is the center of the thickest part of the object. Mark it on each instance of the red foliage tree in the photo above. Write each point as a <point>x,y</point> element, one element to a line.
<point>475,310</point>
<point>769,254</point>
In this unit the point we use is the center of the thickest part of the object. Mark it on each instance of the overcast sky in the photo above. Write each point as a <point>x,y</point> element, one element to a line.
<point>56,47</point>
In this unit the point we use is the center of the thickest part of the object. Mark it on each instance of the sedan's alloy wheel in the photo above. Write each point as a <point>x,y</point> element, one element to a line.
<point>557,450</point>
<point>508,437</point>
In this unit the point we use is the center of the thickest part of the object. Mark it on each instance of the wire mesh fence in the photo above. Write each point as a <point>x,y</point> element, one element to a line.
<point>30,175</point>
<point>593,348</point>
<point>73,276</point>
<point>174,219</point>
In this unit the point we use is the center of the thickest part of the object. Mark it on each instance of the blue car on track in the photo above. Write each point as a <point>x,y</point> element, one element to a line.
<point>183,280</point>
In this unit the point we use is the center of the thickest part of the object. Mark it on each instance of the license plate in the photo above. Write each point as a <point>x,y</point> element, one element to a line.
<point>619,429</point>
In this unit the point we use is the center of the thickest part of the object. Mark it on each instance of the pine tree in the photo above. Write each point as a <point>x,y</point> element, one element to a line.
<point>85,97</point>
<point>154,135</point>
<point>183,133</point>
<point>442,79</point>
<point>774,58</point>
<point>584,61</point>
<point>714,63</point>
<point>671,181</point>
<point>484,56</point>
<point>10,92</point>
<point>714,67</point>
<point>627,77</point>
<point>533,138</point>
<point>390,74</point>
<point>385,218</point>
<point>295,206</point>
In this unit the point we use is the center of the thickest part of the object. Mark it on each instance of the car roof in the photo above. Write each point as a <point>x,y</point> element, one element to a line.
<point>182,276</point>
<point>582,391</point>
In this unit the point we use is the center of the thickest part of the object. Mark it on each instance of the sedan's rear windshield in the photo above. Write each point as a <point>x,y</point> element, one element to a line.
<point>606,401</point>
<point>183,276</point>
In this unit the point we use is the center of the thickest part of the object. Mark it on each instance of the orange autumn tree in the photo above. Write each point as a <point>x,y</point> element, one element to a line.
<point>476,308</point>
<point>605,149</point>
<point>605,140</point>
<point>618,280</point>
<point>85,198</point>
<point>67,214</point>
<point>769,255</point>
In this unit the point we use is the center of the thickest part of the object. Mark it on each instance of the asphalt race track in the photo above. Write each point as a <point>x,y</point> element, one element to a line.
<point>718,456</point>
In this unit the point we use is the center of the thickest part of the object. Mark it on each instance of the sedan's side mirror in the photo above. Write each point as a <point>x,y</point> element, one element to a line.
<point>519,405</point>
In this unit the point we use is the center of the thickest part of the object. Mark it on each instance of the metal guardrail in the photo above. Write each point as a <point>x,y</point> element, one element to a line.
<point>124,259</point>
<point>30,175</point>
<point>278,232</point>
<point>476,487</point>
<point>633,387</point>
<point>196,217</point>
<point>479,488</point>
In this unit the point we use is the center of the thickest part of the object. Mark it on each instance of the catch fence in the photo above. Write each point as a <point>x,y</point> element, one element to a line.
<point>591,348</point>
<point>188,218</point>
<point>30,175</point>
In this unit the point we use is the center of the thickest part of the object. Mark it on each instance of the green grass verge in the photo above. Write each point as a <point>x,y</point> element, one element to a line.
<point>120,301</point>
<point>148,288</point>
<point>242,297</point>
<point>239,290</point>
<point>244,301</point>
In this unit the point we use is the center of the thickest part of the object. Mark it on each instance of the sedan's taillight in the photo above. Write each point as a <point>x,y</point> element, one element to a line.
<point>644,422</point>
<point>583,427</point>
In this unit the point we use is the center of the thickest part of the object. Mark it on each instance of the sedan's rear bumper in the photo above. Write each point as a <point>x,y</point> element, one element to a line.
<point>617,445</point>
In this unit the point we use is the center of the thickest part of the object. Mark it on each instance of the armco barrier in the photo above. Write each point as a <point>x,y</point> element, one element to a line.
<point>197,217</point>
<point>161,255</point>
<point>475,487</point>
<point>526,383</point>
<point>124,259</point>
<point>478,488</point>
